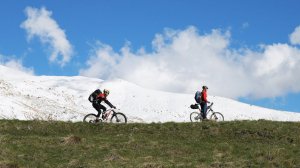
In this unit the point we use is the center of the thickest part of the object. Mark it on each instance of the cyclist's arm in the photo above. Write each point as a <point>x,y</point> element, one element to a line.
<point>109,104</point>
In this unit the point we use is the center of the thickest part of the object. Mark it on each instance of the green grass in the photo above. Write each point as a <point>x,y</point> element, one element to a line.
<point>208,144</point>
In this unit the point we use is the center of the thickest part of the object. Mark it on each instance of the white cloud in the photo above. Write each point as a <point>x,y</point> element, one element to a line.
<point>40,24</point>
<point>101,62</point>
<point>274,71</point>
<point>295,36</point>
<point>183,61</point>
<point>15,64</point>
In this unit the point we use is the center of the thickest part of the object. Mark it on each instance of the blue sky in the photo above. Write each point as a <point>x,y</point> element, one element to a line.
<point>246,50</point>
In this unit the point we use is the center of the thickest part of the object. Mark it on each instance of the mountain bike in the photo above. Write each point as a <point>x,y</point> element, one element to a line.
<point>210,113</point>
<point>110,115</point>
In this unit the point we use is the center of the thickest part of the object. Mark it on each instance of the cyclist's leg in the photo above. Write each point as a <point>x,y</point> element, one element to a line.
<point>98,108</point>
<point>103,108</point>
<point>203,109</point>
<point>201,105</point>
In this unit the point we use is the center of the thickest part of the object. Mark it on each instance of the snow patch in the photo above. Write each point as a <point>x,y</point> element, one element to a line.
<point>28,97</point>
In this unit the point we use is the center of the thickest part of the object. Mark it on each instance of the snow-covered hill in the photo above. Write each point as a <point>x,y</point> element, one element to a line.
<point>28,97</point>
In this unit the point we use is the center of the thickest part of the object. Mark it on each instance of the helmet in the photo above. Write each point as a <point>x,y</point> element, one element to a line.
<point>204,87</point>
<point>106,92</point>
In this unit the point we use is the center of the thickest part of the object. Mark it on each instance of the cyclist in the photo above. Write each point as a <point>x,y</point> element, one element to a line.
<point>97,103</point>
<point>204,101</point>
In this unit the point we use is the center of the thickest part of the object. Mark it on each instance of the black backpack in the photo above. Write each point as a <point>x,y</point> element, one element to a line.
<point>194,106</point>
<point>94,95</point>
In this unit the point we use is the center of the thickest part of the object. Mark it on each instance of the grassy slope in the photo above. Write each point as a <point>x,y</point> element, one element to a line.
<point>209,144</point>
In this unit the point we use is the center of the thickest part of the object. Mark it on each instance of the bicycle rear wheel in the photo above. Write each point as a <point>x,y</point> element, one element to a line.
<point>119,118</point>
<point>90,118</point>
<point>195,117</point>
<point>217,116</point>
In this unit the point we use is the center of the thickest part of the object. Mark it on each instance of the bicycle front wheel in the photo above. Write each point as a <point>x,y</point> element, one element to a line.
<point>90,118</point>
<point>195,117</point>
<point>217,116</point>
<point>119,118</point>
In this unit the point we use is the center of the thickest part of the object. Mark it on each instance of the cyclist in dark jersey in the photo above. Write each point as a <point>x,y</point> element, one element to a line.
<point>97,103</point>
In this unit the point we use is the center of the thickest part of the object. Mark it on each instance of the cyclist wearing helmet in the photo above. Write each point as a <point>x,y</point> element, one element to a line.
<point>204,101</point>
<point>97,103</point>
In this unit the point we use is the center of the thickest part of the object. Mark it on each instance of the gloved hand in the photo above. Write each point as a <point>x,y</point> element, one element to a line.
<point>114,107</point>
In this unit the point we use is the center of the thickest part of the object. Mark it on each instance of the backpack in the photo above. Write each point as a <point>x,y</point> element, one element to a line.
<point>198,97</point>
<point>94,95</point>
<point>194,106</point>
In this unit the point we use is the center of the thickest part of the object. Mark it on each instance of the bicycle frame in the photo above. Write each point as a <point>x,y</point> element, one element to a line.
<point>108,113</point>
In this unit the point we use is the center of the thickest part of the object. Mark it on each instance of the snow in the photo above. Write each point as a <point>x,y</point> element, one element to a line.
<point>28,97</point>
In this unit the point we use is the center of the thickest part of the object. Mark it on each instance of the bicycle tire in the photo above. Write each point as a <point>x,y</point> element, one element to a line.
<point>193,116</point>
<point>119,118</point>
<point>90,118</point>
<point>217,116</point>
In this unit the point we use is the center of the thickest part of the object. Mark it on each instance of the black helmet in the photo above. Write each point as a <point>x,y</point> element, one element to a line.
<point>204,87</point>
